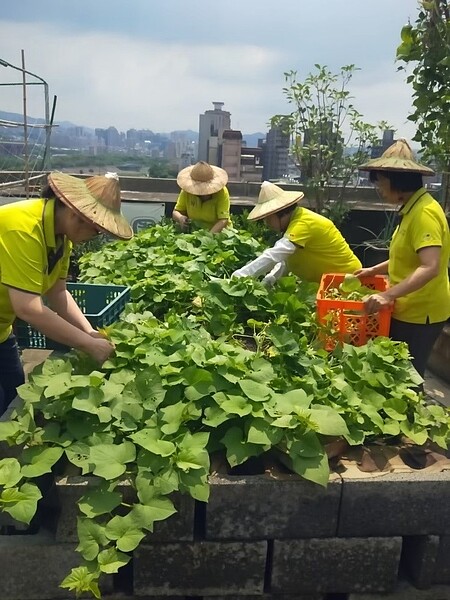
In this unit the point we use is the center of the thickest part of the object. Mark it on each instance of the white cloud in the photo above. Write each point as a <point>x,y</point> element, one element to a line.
<point>104,79</point>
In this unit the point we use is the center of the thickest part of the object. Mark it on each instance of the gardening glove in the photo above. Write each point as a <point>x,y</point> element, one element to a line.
<point>271,278</point>
<point>281,250</point>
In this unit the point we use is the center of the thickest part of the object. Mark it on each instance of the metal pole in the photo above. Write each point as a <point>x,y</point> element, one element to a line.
<point>5,63</point>
<point>25,128</point>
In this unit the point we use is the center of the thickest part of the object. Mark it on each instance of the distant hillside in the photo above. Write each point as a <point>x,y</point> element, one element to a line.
<point>250,138</point>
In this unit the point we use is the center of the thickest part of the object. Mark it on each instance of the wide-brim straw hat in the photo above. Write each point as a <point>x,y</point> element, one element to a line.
<point>272,199</point>
<point>202,179</point>
<point>95,199</point>
<point>398,157</point>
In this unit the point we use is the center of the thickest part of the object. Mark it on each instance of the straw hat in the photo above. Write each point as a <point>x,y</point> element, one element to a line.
<point>202,179</point>
<point>95,199</point>
<point>398,157</point>
<point>272,199</point>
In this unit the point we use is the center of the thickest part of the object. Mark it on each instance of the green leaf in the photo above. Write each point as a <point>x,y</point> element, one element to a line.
<point>328,421</point>
<point>57,385</point>
<point>156,509</point>
<point>233,404</point>
<point>255,391</point>
<point>173,417</point>
<point>8,430</point>
<point>98,501</point>
<point>110,459</point>
<point>38,460</point>
<point>313,468</point>
<point>414,432</point>
<point>91,536</point>
<point>88,400</point>
<point>260,432</point>
<point>150,439</point>
<point>78,454</point>
<point>110,561</point>
<point>81,580</point>
<point>9,472</point>
<point>291,401</point>
<point>396,409</point>
<point>21,503</point>
<point>214,416</point>
<point>238,451</point>
<point>125,532</point>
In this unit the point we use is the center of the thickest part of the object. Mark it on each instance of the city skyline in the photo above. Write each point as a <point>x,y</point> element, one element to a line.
<point>142,65</point>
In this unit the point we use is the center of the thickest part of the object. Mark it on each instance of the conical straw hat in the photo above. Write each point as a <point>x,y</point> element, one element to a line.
<point>202,179</point>
<point>398,157</point>
<point>272,199</point>
<point>95,199</point>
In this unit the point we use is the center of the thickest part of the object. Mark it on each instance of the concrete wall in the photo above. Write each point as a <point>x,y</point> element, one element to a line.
<point>262,537</point>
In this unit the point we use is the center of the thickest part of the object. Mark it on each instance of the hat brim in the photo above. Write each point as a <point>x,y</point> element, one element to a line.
<point>74,193</point>
<point>260,211</point>
<point>398,165</point>
<point>202,188</point>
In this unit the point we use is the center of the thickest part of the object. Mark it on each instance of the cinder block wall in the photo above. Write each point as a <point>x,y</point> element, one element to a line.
<point>260,538</point>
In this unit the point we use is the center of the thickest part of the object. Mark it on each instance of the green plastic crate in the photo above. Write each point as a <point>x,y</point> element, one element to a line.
<point>101,305</point>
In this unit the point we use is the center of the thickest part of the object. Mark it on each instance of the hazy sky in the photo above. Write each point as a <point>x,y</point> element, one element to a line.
<point>157,64</point>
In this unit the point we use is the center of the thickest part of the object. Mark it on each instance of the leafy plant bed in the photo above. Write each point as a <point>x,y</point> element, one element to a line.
<point>203,364</point>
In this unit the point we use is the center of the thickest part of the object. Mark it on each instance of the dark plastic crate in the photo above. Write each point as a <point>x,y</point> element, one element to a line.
<point>100,304</point>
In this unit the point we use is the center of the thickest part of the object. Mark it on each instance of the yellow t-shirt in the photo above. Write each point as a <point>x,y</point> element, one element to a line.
<point>32,259</point>
<point>423,224</point>
<point>321,248</point>
<point>205,214</point>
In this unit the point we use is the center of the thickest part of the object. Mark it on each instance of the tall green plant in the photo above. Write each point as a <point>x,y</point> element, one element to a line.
<point>426,44</point>
<point>330,138</point>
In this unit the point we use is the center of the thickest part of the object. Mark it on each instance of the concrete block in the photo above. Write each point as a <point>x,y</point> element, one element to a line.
<point>260,507</point>
<point>413,503</point>
<point>33,566</point>
<point>405,591</point>
<point>418,559</point>
<point>335,565</point>
<point>274,597</point>
<point>200,569</point>
<point>442,571</point>
<point>179,527</point>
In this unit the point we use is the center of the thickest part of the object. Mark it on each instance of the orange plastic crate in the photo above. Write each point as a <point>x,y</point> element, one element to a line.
<point>346,320</point>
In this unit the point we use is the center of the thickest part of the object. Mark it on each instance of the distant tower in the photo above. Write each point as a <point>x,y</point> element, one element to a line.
<point>211,125</point>
<point>230,153</point>
<point>275,154</point>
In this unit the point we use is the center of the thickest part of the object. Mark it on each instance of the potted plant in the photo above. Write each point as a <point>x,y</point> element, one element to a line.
<point>376,248</point>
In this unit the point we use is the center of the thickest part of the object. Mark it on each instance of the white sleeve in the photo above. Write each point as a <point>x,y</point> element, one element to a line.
<point>281,250</point>
<point>278,271</point>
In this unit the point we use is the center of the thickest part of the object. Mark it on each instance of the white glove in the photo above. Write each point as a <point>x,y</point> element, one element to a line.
<point>278,271</point>
<point>281,250</point>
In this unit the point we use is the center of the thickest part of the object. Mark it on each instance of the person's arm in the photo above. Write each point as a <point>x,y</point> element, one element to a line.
<point>379,269</point>
<point>30,308</point>
<point>280,252</point>
<point>222,210</point>
<point>61,301</point>
<point>180,218</point>
<point>425,272</point>
<point>217,227</point>
<point>278,271</point>
<point>179,213</point>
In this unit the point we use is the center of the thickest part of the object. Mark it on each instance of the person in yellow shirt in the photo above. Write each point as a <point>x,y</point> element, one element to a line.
<point>419,254</point>
<point>36,238</point>
<point>311,244</point>
<point>204,198</point>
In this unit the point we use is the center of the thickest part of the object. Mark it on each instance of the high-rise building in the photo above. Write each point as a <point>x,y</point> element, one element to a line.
<point>275,154</point>
<point>211,125</point>
<point>230,153</point>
